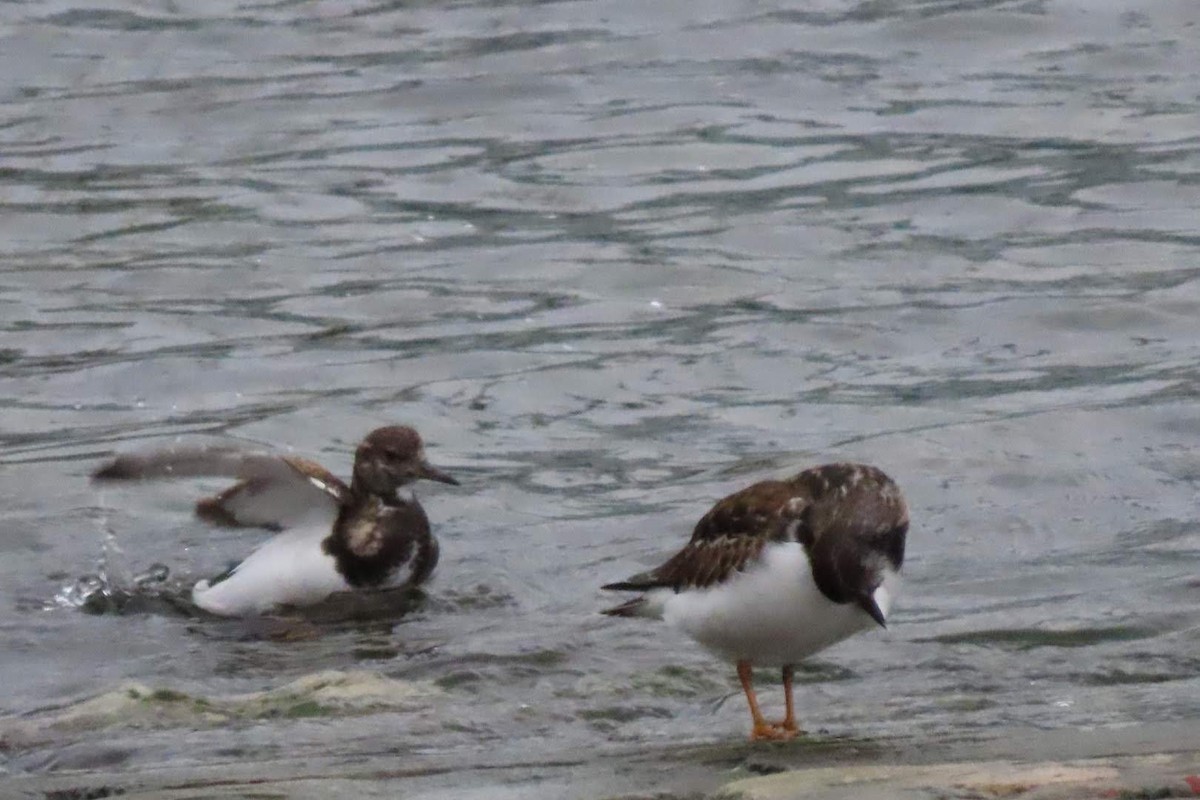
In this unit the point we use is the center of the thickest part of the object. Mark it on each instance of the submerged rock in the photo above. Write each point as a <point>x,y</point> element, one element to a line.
<point>329,693</point>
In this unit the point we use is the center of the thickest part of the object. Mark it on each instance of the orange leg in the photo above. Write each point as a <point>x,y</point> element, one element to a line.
<point>762,729</point>
<point>789,721</point>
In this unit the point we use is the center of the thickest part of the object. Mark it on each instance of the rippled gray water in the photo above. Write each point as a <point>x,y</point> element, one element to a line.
<point>614,260</point>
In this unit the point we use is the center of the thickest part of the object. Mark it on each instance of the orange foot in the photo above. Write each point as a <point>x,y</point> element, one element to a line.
<point>772,733</point>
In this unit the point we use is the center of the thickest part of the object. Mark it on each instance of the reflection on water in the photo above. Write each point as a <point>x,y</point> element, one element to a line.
<point>614,261</point>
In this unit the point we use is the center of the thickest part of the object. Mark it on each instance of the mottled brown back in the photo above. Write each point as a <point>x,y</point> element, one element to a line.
<point>850,518</point>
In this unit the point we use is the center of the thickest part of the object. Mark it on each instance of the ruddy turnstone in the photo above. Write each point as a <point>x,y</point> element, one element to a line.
<point>334,537</point>
<point>781,570</point>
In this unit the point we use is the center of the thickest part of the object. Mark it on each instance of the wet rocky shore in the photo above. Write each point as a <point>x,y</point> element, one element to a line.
<point>1154,761</point>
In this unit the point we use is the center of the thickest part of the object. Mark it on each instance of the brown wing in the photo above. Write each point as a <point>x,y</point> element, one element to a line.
<point>273,492</point>
<point>275,501</point>
<point>851,519</point>
<point>725,540</point>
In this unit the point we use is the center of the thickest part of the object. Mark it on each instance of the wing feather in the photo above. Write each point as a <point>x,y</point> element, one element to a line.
<point>273,492</point>
<point>725,540</point>
<point>850,518</point>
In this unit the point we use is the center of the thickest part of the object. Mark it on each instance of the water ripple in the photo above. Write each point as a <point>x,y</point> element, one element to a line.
<point>614,261</point>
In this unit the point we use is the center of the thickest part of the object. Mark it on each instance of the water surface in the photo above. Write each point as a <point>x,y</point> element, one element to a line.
<point>614,261</point>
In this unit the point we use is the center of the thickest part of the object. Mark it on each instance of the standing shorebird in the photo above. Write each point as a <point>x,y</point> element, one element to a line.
<point>782,570</point>
<point>333,537</point>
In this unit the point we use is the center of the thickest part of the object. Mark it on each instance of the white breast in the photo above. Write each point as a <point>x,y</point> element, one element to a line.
<point>772,614</point>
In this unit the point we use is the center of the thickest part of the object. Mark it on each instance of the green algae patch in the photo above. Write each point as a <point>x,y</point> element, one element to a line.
<point>135,705</point>
<point>1120,677</point>
<point>1031,638</point>
<point>670,681</point>
<point>676,681</point>
<point>309,708</point>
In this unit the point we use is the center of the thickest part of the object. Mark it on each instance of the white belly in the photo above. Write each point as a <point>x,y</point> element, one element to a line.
<point>772,614</point>
<point>290,569</point>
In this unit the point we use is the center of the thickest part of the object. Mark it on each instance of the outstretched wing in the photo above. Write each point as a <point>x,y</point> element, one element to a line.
<point>726,539</point>
<point>273,492</point>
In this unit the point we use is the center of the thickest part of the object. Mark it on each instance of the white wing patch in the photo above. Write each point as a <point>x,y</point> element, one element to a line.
<point>322,485</point>
<point>281,504</point>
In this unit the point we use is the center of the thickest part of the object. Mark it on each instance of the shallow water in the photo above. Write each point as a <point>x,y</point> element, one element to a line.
<point>613,261</point>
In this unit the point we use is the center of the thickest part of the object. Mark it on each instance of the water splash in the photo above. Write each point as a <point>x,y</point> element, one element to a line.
<point>100,593</point>
<point>113,588</point>
<point>81,592</point>
<point>155,573</point>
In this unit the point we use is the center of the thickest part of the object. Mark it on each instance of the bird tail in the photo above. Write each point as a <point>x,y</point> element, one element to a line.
<point>630,608</point>
<point>648,606</point>
<point>642,582</point>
